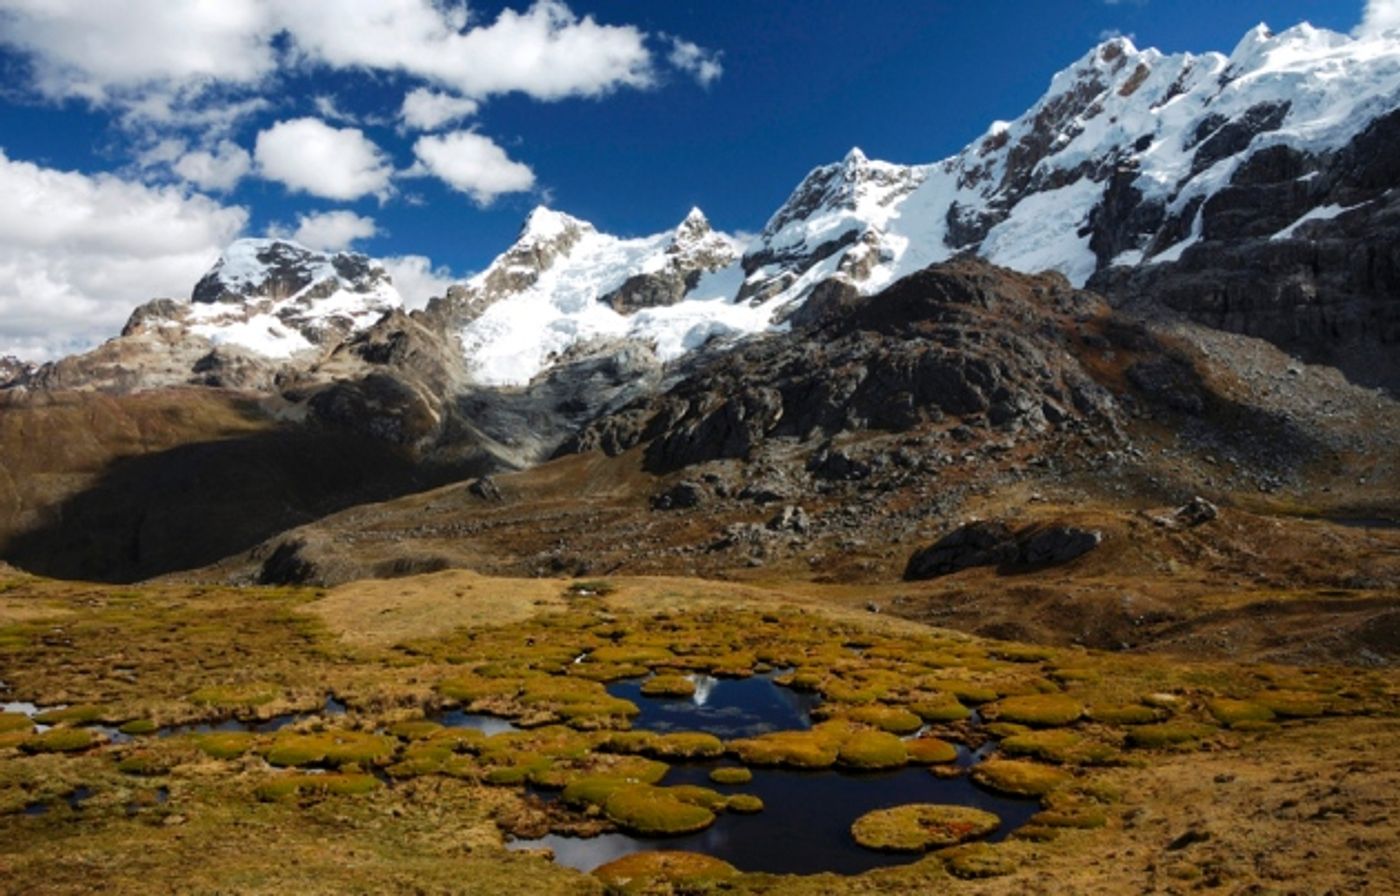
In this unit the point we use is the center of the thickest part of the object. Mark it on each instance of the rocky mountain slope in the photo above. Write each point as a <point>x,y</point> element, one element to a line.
<point>1201,200</point>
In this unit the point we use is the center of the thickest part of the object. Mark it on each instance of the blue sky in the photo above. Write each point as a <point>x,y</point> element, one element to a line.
<point>635,112</point>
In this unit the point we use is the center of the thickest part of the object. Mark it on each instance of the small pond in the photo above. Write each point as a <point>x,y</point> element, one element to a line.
<point>805,825</point>
<point>725,707</point>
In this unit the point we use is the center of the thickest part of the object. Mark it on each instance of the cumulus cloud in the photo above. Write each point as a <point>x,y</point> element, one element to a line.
<point>309,156</point>
<point>329,231</point>
<point>701,64</point>
<point>471,164</point>
<point>547,51</point>
<point>417,280</point>
<point>101,50</point>
<point>147,53</point>
<point>427,110</point>
<point>78,252</point>
<point>219,168</point>
<point>1380,15</point>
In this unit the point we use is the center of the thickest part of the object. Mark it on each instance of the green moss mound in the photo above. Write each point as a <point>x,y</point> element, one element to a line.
<point>1292,704</point>
<point>869,750</point>
<point>60,740</point>
<point>471,688</point>
<point>70,715</point>
<point>683,872</point>
<point>795,749</point>
<point>668,686</point>
<point>333,748</point>
<point>919,827</point>
<point>144,764</point>
<point>972,861</point>
<point>1059,745</point>
<point>1038,710</point>
<point>593,790</point>
<point>940,708</point>
<point>1019,778</point>
<point>744,804</point>
<point>11,722</point>
<point>966,691</point>
<point>652,811</point>
<point>685,745</point>
<point>893,719</point>
<point>1234,712</point>
<point>138,727</point>
<point>1168,734</point>
<point>1124,714</point>
<point>416,729</point>
<point>930,751</point>
<point>731,775</point>
<point>224,744</point>
<point>235,695</point>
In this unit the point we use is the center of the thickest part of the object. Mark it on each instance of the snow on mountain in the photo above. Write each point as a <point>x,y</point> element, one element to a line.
<point>277,298</point>
<point>1111,166</point>
<point>562,283</point>
<point>1026,194</point>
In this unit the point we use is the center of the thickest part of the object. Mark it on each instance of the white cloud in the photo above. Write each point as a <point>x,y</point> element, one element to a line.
<point>310,156</point>
<point>546,51</point>
<point>78,252</point>
<point>329,231</point>
<point>417,280</point>
<point>472,164</point>
<point>219,168</point>
<point>427,110</point>
<point>147,51</point>
<point>1380,15</point>
<point>98,50</point>
<point>701,64</point>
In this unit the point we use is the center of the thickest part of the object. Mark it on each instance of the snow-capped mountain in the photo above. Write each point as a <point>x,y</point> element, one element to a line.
<point>1039,192</point>
<point>1113,167</point>
<point>278,298</point>
<point>564,285</point>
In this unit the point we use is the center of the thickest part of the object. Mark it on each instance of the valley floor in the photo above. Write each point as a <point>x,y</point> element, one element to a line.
<point>1165,775</point>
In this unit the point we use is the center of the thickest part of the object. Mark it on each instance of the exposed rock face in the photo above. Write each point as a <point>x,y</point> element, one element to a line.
<point>695,250</point>
<point>1301,249</point>
<point>14,371</point>
<point>962,339</point>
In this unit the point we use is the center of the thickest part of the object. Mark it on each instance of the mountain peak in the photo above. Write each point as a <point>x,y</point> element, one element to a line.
<point>694,226</point>
<point>543,224</point>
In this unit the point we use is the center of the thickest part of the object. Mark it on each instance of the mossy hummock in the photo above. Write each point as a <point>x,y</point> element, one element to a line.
<point>919,827</point>
<point>1019,778</point>
<point>1037,710</point>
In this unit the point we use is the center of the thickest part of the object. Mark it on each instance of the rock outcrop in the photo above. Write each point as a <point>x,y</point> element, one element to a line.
<point>960,340</point>
<point>996,543</point>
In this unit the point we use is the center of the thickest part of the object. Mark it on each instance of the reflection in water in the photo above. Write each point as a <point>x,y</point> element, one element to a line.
<point>805,825</point>
<point>724,707</point>
<point>704,687</point>
<point>488,725</point>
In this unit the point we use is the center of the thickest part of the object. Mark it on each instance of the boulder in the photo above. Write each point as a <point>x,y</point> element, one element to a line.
<point>1195,512</point>
<point>978,543</point>
<point>994,543</point>
<point>681,496</point>
<point>1054,546</point>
